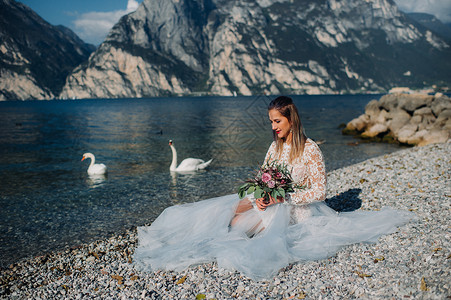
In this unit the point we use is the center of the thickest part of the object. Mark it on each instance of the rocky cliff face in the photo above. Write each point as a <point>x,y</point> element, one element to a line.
<point>175,47</point>
<point>433,24</point>
<point>35,57</point>
<point>180,47</point>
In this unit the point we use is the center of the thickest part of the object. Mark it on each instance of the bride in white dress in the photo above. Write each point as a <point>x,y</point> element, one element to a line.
<point>259,238</point>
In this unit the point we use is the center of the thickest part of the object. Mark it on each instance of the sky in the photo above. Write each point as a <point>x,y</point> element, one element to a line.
<point>91,20</point>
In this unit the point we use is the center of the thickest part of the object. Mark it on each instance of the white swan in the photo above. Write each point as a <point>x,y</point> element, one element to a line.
<point>188,164</point>
<point>94,169</point>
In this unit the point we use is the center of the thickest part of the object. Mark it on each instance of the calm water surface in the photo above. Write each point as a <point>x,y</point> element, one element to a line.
<point>49,202</point>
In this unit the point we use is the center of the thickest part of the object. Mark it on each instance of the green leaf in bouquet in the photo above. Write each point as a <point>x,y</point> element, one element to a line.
<point>251,189</point>
<point>281,192</point>
<point>258,192</point>
<point>244,186</point>
<point>242,190</point>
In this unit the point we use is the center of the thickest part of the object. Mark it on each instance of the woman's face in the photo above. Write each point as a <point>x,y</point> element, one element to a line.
<point>280,124</point>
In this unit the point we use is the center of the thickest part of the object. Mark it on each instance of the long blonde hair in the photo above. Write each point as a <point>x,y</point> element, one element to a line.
<point>285,106</point>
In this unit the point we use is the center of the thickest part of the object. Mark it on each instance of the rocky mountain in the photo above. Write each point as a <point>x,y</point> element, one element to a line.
<point>186,47</point>
<point>433,24</point>
<point>35,57</point>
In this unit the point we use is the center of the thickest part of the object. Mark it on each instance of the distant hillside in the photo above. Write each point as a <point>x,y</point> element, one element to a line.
<point>219,47</point>
<point>433,24</point>
<point>35,57</point>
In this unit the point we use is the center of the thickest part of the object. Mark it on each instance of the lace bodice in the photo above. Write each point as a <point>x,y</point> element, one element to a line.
<point>308,170</point>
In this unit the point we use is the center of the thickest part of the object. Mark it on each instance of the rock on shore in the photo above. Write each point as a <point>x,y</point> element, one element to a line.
<point>413,119</point>
<point>412,263</point>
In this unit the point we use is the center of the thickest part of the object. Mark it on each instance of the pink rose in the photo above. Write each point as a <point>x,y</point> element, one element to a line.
<point>266,177</point>
<point>271,184</point>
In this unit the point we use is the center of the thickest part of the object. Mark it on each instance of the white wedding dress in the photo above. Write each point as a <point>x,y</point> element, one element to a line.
<point>302,228</point>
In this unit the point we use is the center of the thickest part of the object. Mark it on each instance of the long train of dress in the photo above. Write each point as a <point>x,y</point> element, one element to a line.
<point>195,233</point>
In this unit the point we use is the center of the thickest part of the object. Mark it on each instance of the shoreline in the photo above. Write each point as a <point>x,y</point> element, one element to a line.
<point>413,262</point>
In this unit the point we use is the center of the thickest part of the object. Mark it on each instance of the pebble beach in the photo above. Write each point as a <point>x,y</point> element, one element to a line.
<point>412,263</point>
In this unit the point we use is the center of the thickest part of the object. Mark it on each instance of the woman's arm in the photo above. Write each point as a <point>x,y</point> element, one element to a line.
<point>260,202</point>
<point>315,175</point>
<point>271,152</point>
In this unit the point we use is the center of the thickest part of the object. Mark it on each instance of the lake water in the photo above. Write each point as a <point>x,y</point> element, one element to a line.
<point>48,201</point>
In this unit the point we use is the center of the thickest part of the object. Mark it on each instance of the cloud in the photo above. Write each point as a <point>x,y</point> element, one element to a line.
<point>439,8</point>
<point>132,5</point>
<point>93,27</point>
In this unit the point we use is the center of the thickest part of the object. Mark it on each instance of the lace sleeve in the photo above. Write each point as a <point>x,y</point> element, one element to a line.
<point>314,177</point>
<point>271,152</point>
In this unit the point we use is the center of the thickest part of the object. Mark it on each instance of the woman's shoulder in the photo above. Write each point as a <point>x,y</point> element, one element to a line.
<point>310,143</point>
<point>311,146</point>
<point>273,145</point>
<point>271,150</point>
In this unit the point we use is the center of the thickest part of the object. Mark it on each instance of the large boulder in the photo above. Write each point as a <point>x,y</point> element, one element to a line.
<point>396,119</point>
<point>372,109</point>
<point>427,118</point>
<point>358,124</point>
<point>435,136</point>
<point>407,132</point>
<point>389,102</point>
<point>443,117</point>
<point>413,119</point>
<point>375,130</point>
<point>440,104</point>
<point>412,102</point>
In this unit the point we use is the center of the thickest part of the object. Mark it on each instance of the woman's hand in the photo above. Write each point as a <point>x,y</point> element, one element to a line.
<point>243,206</point>
<point>262,204</point>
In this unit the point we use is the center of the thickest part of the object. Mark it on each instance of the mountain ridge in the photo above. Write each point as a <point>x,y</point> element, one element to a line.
<point>432,23</point>
<point>36,57</point>
<point>218,47</point>
<point>262,46</point>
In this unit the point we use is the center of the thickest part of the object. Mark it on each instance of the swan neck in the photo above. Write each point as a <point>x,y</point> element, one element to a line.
<point>174,159</point>
<point>90,156</point>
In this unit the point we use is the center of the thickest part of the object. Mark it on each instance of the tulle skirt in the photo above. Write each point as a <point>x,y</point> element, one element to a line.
<point>261,242</point>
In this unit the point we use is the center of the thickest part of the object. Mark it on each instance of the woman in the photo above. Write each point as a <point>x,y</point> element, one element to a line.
<point>256,237</point>
<point>302,156</point>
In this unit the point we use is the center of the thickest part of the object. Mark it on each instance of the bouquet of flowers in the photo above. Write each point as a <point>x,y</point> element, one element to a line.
<point>273,178</point>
